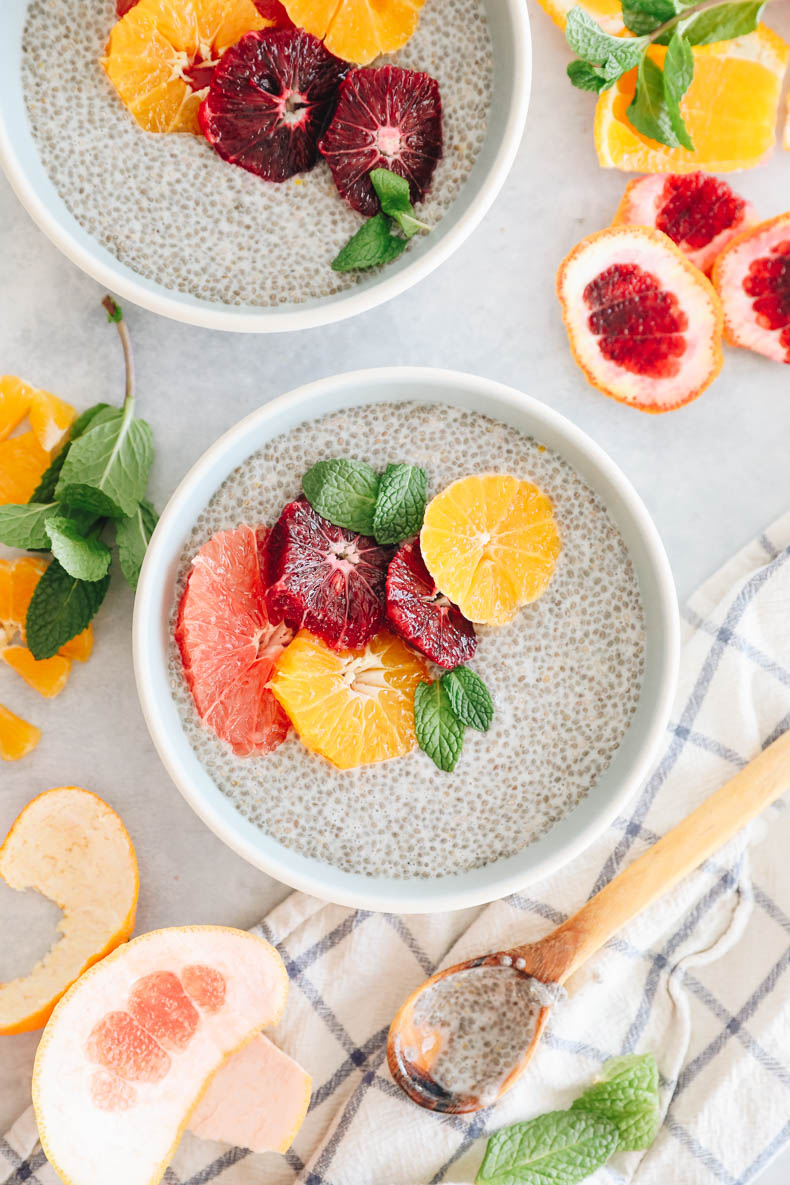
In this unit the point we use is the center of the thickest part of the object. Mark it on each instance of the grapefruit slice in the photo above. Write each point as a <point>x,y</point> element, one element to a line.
<point>257,1100</point>
<point>70,846</point>
<point>700,213</point>
<point>644,324</point>
<point>228,645</point>
<point>133,1045</point>
<point>752,278</point>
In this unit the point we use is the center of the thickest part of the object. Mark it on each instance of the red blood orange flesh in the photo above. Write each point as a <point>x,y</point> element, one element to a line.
<point>752,277</point>
<point>644,324</point>
<point>274,11</point>
<point>424,616</point>
<point>325,578</point>
<point>270,99</point>
<point>699,213</point>
<point>229,646</point>
<point>386,118</point>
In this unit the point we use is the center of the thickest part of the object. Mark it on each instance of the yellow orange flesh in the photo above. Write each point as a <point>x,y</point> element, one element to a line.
<point>50,418</point>
<point>15,397</point>
<point>70,846</point>
<point>151,47</point>
<point>357,30</point>
<point>607,13</point>
<point>47,676</point>
<point>25,574</point>
<point>730,110</point>
<point>17,737</point>
<point>354,707</point>
<point>22,462</point>
<point>79,648</point>
<point>490,542</point>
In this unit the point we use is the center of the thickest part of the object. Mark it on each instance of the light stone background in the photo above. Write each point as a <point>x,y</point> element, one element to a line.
<point>713,474</point>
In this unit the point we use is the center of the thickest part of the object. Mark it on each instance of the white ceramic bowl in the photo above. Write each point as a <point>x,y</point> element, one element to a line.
<point>573,833</point>
<point>509,27</point>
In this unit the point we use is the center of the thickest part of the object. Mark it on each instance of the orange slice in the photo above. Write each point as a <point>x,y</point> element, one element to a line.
<point>354,707</point>
<point>25,575</point>
<point>15,397</point>
<point>490,542</point>
<point>50,418</point>
<point>357,30</point>
<point>608,13</point>
<point>22,462</point>
<point>155,47</point>
<point>70,846</point>
<point>17,737</point>
<point>47,676</point>
<point>132,1046</point>
<point>79,648</point>
<point>730,110</point>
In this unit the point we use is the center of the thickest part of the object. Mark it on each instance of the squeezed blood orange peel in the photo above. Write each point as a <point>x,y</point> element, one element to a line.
<point>72,847</point>
<point>752,278</point>
<point>133,1045</point>
<point>644,324</point>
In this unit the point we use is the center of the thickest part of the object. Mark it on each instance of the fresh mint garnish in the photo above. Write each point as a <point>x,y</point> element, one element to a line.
<point>626,1093</point>
<point>61,607</point>
<point>23,525</point>
<point>439,731</point>
<point>343,492</point>
<point>469,698</point>
<point>132,536</point>
<point>395,197</point>
<point>559,1148</point>
<point>83,556</point>
<point>106,469</point>
<point>372,245</point>
<point>400,503</point>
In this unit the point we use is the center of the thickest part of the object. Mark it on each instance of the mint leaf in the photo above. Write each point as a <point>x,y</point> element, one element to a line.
<point>589,41</point>
<point>648,111</point>
<point>439,731</point>
<point>395,197</point>
<point>132,536</point>
<point>645,16</point>
<point>61,607</point>
<point>722,23</point>
<point>45,490</point>
<point>560,1148</point>
<point>22,525</point>
<point>625,57</point>
<point>85,558</point>
<point>106,469</point>
<point>373,244</point>
<point>626,1093</point>
<point>587,77</point>
<point>678,73</point>
<point>344,492</point>
<point>400,503</point>
<point>90,416</point>
<point>469,698</point>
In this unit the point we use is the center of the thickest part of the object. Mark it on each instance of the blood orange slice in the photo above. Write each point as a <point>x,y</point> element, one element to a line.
<point>752,277</point>
<point>130,1049</point>
<point>644,324</point>
<point>228,645</point>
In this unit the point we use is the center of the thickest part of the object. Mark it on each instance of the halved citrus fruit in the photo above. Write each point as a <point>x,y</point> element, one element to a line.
<point>22,462</point>
<point>734,130</point>
<point>162,53</point>
<point>752,278</point>
<point>70,846</point>
<point>15,397</point>
<point>229,646</point>
<point>17,737</point>
<point>490,542</point>
<point>257,1100</point>
<point>643,323</point>
<point>47,676</point>
<point>607,13</point>
<point>357,30</point>
<point>354,707</point>
<point>700,213</point>
<point>132,1046</point>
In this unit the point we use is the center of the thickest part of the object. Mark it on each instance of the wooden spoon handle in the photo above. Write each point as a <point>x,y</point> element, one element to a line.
<point>679,852</point>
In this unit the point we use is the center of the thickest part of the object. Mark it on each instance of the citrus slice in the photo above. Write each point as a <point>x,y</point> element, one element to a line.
<point>643,323</point>
<point>70,846</point>
<point>22,462</point>
<point>25,574</point>
<point>132,1046</point>
<point>47,676</point>
<point>607,13</point>
<point>357,30</point>
<point>15,397</point>
<point>50,418</point>
<point>734,129</point>
<point>161,55</point>
<point>490,542</point>
<point>17,737</point>
<point>354,707</point>
<point>752,278</point>
<point>80,647</point>
<point>257,1100</point>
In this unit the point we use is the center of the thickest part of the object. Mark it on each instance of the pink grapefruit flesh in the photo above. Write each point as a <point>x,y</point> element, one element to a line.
<point>752,278</point>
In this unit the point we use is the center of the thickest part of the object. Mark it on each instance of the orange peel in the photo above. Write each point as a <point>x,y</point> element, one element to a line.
<point>72,847</point>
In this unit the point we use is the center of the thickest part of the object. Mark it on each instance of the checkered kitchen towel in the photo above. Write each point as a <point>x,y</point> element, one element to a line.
<point>701,978</point>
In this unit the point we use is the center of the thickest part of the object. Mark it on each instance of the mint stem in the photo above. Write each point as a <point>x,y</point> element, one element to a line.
<point>114,314</point>
<point>692,10</point>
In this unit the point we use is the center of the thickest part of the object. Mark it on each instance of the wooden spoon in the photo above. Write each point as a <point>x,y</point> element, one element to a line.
<point>418,1036</point>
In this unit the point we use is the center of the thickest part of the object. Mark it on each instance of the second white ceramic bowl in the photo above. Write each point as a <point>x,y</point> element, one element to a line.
<point>573,833</point>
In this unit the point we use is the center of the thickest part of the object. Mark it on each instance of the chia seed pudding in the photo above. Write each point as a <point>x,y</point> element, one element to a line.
<point>173,211</point>
<point>565,674</point>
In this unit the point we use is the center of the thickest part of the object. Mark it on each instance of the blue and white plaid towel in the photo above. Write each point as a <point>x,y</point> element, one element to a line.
<point>701,978</point>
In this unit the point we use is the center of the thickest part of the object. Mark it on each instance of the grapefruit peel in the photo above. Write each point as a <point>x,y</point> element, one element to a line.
<point>71,847</point>
<point>752,278</point>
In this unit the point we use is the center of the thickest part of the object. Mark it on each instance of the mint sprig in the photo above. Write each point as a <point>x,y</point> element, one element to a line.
<point>439,731</point>
<point>61,607</point>
<point>400,503</point>
<point>376,243</point>
<point>132,536</point>
<point>626,1093</point>
<point>678,24</point>
<point>343,492</point>
<point>469,698</point>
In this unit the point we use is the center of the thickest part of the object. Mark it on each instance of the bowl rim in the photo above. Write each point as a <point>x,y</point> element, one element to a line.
<point>309,875</point>
<point>125,283</point>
